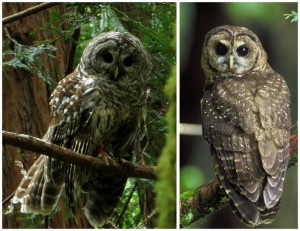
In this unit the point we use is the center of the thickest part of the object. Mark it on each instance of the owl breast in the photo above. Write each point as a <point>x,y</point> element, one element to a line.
<point>114,125</point>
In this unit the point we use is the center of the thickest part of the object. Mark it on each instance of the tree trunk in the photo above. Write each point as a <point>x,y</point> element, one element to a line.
<point>25,100</point>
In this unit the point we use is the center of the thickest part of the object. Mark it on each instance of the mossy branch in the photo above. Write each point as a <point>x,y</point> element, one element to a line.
<point>108,166</point>
<point>197,204</point>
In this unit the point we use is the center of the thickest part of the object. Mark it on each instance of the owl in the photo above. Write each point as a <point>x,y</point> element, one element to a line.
<point>246,121</point>
<point>97,110</point>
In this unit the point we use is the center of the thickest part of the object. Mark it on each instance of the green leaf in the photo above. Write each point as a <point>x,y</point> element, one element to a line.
<point>293,15</point>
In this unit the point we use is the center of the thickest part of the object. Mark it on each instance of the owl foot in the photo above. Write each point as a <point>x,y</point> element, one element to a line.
<point>108,160</point>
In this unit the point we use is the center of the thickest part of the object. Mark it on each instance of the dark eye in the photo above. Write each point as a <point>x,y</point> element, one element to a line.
<point>108,58</point>
<point>128,61</point>
<point>221,49</point>
<point>242,51</point>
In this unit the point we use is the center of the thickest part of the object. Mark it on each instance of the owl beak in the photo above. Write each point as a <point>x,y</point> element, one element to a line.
<point>231,62</point>
<point>116,73</point>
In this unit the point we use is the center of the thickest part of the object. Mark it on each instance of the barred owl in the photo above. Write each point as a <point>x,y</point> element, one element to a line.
<point>246,121</point>
<point>100,107</point>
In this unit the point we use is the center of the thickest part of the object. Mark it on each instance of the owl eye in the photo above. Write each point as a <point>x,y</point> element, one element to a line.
<point>221,49</point>
<point>242,50</point>
<point>108,58</point>
<point>128,61</point>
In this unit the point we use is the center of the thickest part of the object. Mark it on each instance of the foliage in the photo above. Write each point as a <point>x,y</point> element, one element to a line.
<point>132,214</point>
<point>153,23</point>
<point>28,58</point>
<point>293,15</point>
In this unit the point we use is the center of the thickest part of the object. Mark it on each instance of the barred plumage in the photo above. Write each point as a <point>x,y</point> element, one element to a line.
<point>246,120</point>
<point>101,104</point>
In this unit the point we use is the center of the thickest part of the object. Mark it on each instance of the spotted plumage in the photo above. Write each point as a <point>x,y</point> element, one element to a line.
<point>100,106</point>
<point>246,121</point>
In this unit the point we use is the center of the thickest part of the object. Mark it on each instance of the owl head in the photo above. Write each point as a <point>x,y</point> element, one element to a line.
<point>116,56</point>
<point>232,51</point>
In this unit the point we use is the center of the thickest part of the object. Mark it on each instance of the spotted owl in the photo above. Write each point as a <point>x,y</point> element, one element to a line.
<point>98,109</point>
<point>246,121</point>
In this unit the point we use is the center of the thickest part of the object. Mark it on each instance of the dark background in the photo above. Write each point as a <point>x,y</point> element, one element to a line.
<point>279,38</point>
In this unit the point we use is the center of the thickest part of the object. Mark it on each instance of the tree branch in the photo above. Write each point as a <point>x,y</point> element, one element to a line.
<point>208,198</point>
<point>109,166</point>
<point>29,11</point>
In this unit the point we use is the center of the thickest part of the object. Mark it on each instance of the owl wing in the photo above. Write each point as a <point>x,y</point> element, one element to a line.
<point>37,192</point>
<point>230,145</point>
<point>71,108</point>
<point>273,107</point>
<point>246,121</point>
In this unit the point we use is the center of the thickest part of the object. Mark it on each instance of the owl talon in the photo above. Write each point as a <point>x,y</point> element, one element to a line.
<point>108,160</point>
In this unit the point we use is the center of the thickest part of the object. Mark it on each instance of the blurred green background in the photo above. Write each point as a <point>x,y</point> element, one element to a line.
<point>279,38</point>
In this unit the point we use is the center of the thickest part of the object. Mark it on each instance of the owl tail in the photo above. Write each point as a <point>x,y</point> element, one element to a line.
<point>267,216</point>
<point>41,187</point>
<point>266,206</point>
<point>103,197</point>
<point>252,216</point>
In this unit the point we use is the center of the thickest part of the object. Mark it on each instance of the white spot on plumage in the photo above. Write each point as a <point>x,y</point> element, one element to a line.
<point>65,100</point>
<point>27,177</point>
<point>56,100</point>
<point>75,114</point>
<point>89,81</point>
<point>30,185</point>
<point>20,189</point>
<point>88,91</point>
